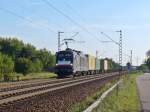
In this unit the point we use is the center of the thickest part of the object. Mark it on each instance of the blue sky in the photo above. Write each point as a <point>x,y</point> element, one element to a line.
<point>130,16</point>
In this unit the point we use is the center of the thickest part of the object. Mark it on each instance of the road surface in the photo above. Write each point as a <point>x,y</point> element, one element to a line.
<point>143,84</point>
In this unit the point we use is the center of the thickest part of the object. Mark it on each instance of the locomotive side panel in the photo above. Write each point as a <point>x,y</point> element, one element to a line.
<point>76,63</point>
<point>84,63</point>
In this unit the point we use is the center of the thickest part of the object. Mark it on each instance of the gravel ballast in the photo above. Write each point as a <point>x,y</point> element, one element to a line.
<point>56,101</point>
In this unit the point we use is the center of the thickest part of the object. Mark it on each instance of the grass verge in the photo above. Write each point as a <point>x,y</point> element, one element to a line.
<point>127,99</point>
<point>79,107</point>
<point>42,75</point>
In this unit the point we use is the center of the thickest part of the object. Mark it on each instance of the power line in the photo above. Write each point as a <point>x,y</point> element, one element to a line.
<point>78,14</point>
<point>109,38</point>
<point>70,7</point>
<point>75,35</point>
<point>126,55</point>
<point>24,18</point>
<point>69,18</point>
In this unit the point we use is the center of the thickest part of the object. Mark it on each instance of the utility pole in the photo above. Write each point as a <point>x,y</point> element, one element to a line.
<point>120,52</point>
<point>131,57</point>
<point>120,58</point>
<point>96,54</point>
<point>59,34</point>
<point>120,47</point>
<point>137,61</point>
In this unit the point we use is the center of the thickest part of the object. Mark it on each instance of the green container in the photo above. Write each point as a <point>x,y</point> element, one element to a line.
<point>97,64</point>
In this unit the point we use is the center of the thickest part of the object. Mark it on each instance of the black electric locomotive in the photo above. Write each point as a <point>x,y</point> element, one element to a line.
<point>70,62</point>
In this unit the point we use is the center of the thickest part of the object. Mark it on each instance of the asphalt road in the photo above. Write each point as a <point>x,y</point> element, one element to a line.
<point>143,84</point>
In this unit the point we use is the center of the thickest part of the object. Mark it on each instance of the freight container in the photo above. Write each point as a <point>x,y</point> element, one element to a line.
<point>115,66</point>
<point>105,66</point>
<point>91,64</point>
<point>110,66</point>
<point>97,65</point>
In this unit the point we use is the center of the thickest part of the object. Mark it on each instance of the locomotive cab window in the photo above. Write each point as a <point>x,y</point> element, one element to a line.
<point>64,58</point>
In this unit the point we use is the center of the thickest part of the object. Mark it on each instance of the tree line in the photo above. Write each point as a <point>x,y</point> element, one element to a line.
<point>16,56</point>
<point>146,65</point>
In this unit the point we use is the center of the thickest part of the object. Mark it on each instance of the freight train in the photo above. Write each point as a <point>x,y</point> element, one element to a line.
<point>72,62</point>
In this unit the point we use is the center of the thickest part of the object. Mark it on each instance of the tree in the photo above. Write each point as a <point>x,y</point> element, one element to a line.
<point>148,53</point>
<point>144,68</point>
<point>28,51</point>
<point>46,58</point>
<point>25,56</point>
<point>23,65</point>
<point>37,66</point>
<point>147,62</point>
<point>11,47</point>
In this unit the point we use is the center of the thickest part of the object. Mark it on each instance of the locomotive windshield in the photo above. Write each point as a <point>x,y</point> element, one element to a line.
<point>64,58</point>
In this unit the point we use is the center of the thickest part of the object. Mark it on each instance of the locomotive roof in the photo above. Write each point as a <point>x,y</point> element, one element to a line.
<point>70,50</point>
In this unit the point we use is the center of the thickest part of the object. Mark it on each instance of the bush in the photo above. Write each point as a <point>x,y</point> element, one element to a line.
<point>37,66</point>
<point>47,59</point>
<point>144,68</point>
<point>25,66</point>
<point>6,67</point>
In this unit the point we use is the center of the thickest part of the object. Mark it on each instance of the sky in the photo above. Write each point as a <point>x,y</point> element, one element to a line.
<point>37,22</point>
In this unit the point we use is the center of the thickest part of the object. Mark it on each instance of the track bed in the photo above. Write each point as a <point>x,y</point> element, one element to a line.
<point>52,97</point>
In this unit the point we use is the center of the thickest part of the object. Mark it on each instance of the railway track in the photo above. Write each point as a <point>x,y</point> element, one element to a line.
<point>26,91</point>
<point>40,87</point>
<point>26,84</point>
<point>32,83</point>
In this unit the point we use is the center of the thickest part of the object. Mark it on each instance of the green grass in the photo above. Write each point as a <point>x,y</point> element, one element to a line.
<point>42,75</point>
<point>31,76</point>
<point>127,99</point>
<point>79,107</point>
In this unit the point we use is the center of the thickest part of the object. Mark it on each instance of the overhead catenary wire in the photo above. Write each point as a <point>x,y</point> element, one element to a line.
<point>73,10</point>
<point>78,15</point>
<point>70,19</point>
<point>109,38</point>
<point>26,19</point>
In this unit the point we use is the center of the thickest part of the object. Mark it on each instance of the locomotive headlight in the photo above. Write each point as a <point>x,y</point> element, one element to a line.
<point>56,64</point>
<point>71,64</point>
